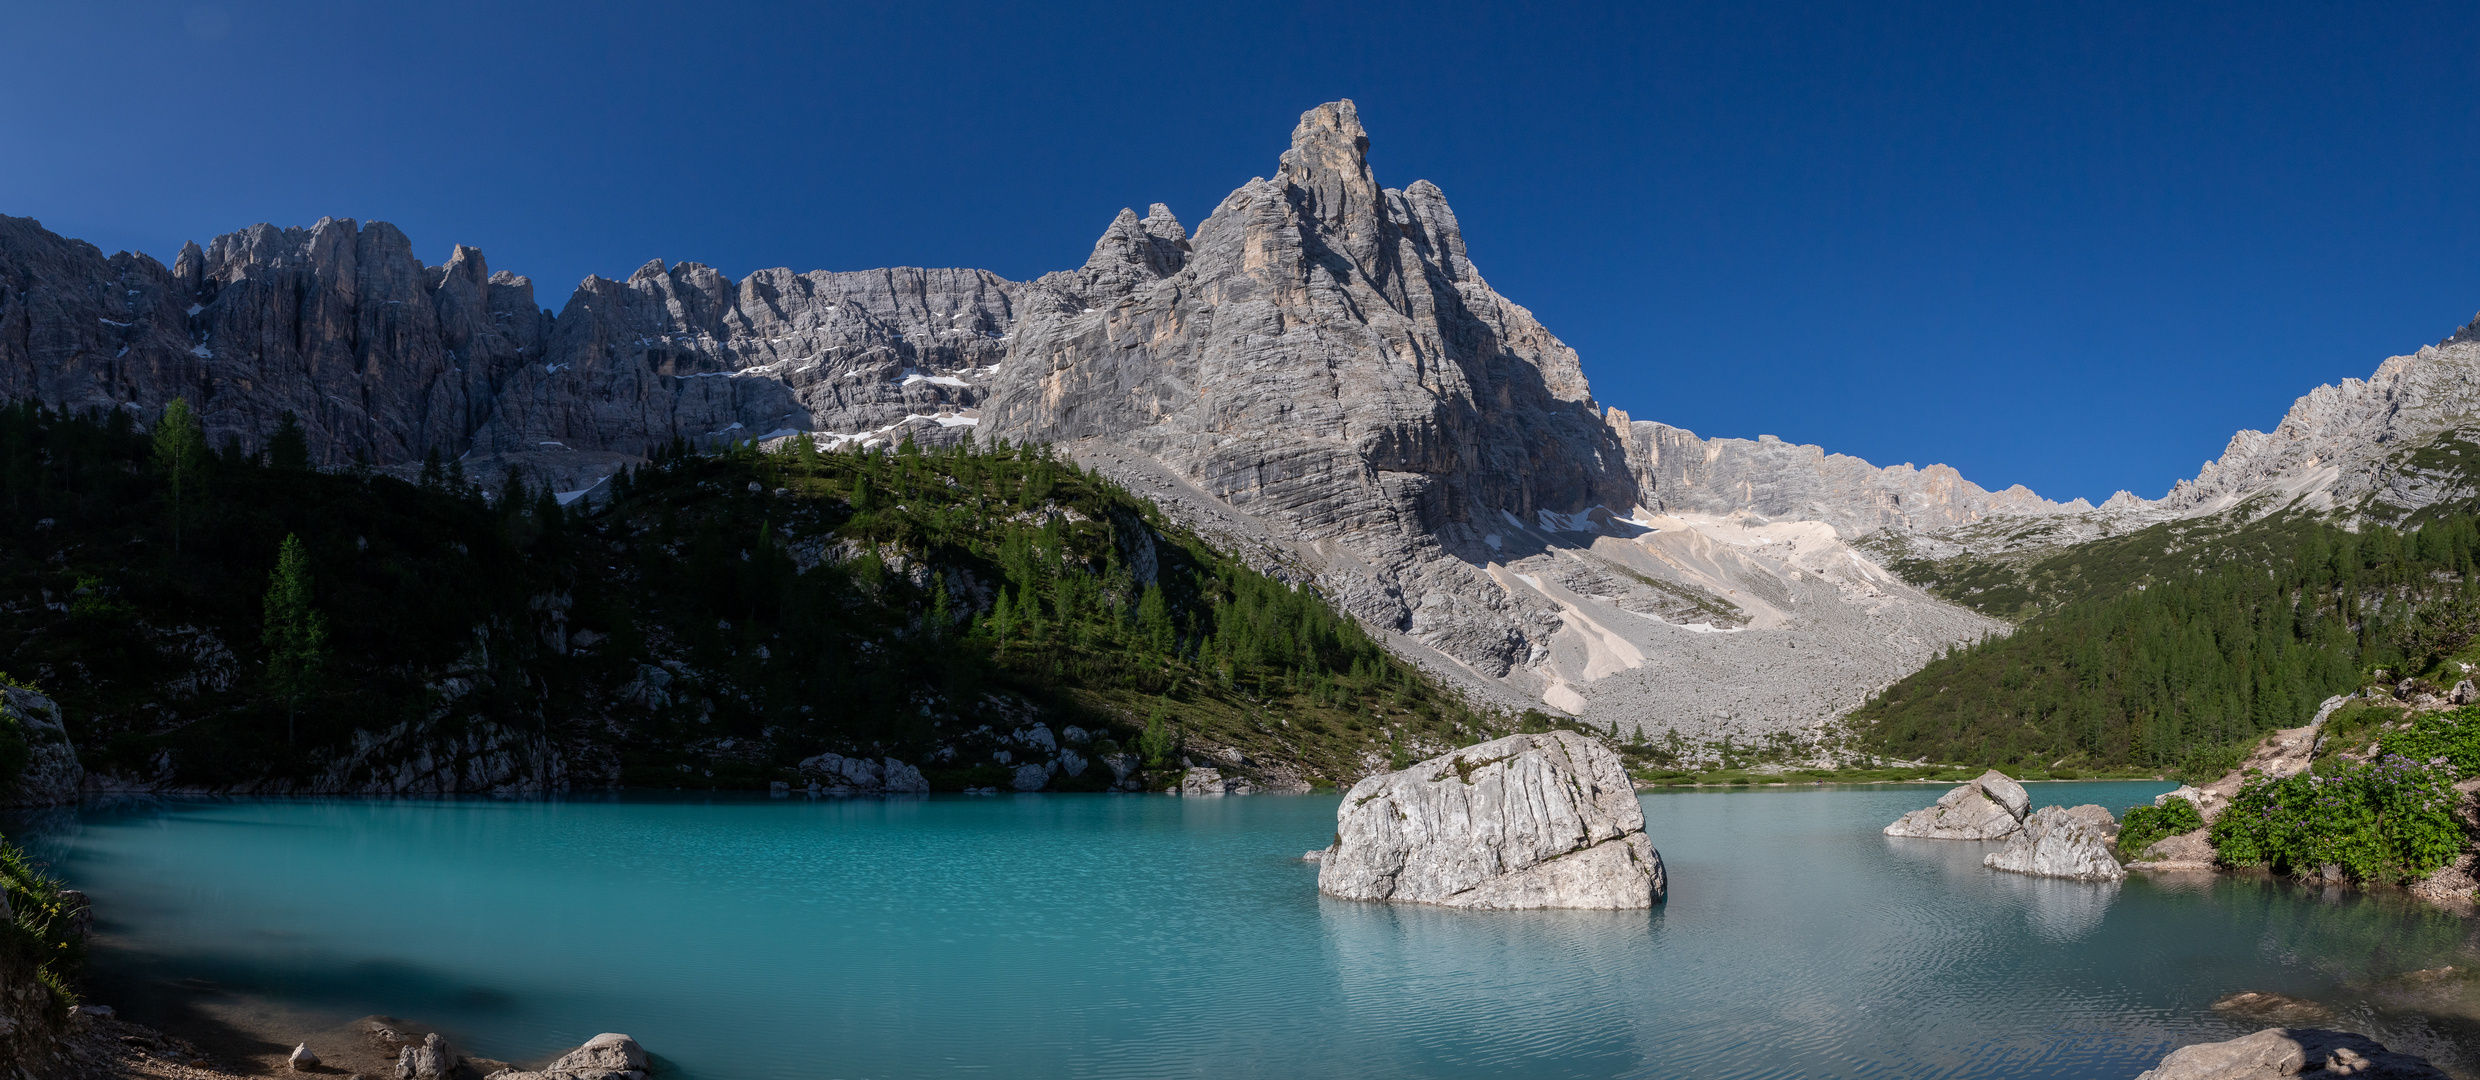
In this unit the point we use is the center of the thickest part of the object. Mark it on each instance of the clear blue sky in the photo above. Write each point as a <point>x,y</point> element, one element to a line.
<point>2067,245</point>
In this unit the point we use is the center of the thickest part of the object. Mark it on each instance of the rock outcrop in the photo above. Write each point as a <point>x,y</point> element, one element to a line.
<point>1528,821</point>
<point>2281,1052</point>
<point>1990,807</point>
<point>608,1056</point>
<point>835,774</point>
<point>2061,843</point>
<point>430,1059</point>
<point>52,776</point>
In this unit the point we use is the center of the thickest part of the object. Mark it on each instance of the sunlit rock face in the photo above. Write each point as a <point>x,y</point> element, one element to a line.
<point>1323,357</point>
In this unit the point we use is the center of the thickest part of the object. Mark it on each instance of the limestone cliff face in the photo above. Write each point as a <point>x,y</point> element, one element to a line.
<point>379,356</point>
<point>1677,471</point>
<point>1323,356</point>
<point>384,359</point>
<point>2400,440</point>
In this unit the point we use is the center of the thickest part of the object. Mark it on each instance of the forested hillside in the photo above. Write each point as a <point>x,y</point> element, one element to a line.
<point>709,620</point>
<point>2203,648</point>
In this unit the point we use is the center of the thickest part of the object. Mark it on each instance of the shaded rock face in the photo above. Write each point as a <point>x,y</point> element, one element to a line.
<point>385,359</point>
<point>2060,843</point>
<point>1991,807</point>
<point>1323,356</point>
<point>378,355</point>
<point>53,776</point>
<point>1528,821</point>
<point>2278,1052</point>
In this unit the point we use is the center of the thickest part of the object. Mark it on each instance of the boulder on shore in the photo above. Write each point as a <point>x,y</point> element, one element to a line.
<point>52,776</point>
<point>1528,821</point>
<point>608,1056</point>
<point>1991,807</point>
<point>2192,850</point>
<point>835,774</point>
<point>2280,1052</point>
<point>2061,843</point>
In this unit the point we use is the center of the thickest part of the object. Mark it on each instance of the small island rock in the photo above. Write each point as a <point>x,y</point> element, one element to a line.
<point>2061,843</point>
<point>1528,821</point>
<point>1991,807</point>
<point>2279,1052</point>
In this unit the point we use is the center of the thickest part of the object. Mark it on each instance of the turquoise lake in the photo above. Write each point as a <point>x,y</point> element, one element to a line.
<point>1147,936</point>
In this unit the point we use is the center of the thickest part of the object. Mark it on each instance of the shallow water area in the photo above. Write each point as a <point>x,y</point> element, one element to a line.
<point>1147,936</point>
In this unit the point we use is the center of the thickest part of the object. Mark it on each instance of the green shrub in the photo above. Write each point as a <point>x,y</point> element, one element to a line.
<point>2451,737</point>
<point>2388,820</point>
<point>43,929</point>
<point>2144,826</point>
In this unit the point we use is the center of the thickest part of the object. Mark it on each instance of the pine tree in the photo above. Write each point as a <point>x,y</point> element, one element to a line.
<point>296,633</point>
<point>289,448</point>
<point>181,452</point>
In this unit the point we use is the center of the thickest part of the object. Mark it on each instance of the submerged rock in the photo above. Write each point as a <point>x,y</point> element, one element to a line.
<point>608,1056</point>
<point>2278,1052</point>
<point>1528,821</point>
<point>2061,843</point>
<point>1991,807</point>
<point>2271,1008</point>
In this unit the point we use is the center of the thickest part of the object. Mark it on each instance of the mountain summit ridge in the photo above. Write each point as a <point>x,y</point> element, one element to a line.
<point>1318,364</point>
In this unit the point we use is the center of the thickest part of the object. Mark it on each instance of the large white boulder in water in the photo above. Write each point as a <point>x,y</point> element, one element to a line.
<point>2062,843</point>
<point>1528,821</point>
<point>1991,807</point>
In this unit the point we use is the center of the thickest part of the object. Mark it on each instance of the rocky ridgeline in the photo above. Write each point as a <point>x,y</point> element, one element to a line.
<point>1318,373</point>
<point>1794,482</point>
<point>385,359</point>
<point>1528,821</point>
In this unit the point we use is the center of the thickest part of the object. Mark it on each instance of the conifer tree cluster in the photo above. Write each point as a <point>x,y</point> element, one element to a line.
<point>709,618</point>
<point>2190,665</point>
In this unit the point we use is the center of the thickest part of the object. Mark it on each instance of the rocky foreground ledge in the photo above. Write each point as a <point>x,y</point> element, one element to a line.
<point>1528,821</point>
<point>2280,1052</point>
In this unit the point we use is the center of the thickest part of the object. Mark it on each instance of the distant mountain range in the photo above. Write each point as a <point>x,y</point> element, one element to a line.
<point>1318,377</point>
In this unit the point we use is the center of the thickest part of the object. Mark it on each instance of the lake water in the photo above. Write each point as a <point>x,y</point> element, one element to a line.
<point>1147,936</point>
